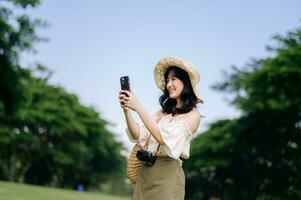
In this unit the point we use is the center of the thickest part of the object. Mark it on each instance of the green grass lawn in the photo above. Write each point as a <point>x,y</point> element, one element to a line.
<point>14,191</point>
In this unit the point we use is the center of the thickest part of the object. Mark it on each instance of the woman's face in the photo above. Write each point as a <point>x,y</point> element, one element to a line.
<point>174,86</point>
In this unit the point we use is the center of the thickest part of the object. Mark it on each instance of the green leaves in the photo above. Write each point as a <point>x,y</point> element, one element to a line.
<point>53,126</point>
<point>257,155</point>
<point>17,34</point>
<point>25,3</point>
<point>46,135</point>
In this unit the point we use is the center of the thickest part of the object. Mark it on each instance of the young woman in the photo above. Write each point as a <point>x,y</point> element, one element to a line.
<point>168,132</point>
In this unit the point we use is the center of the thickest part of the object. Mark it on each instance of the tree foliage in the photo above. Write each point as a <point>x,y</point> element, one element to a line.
<point>54,133</point>
<point>258,155</point>
<point>17,35</point>
<point>47,136</point>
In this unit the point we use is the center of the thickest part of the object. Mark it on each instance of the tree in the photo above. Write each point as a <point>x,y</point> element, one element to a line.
<point>17,34</point>
<point>209,165</point>
<point>53,139</point>
<point>265,157</point>
<point>47,136</point>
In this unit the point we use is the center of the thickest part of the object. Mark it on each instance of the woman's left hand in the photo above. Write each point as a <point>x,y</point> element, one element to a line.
<point>131,101</point>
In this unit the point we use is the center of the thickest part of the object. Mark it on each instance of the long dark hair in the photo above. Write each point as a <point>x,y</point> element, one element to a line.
<point>188,98</point>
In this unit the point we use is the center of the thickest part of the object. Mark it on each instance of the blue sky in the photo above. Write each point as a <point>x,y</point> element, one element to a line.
<point>92,43</point>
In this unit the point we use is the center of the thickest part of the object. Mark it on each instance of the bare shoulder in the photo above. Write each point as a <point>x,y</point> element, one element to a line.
<point>158,114</point>
<point>194,114</point>
<point>193,119</point>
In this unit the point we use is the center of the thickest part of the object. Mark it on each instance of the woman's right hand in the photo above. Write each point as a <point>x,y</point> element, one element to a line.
<point>122,99</point>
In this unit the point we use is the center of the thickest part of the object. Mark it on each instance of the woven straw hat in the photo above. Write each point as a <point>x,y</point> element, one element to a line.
<point>192,71</point>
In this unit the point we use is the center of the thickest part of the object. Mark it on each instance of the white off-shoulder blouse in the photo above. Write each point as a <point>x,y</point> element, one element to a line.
<point>175,133</point>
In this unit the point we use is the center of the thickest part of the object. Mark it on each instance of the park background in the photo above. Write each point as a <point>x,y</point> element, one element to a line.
<point>61,123</point>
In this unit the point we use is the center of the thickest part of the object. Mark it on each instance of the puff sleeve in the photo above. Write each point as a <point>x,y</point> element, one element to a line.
<point>176,137</point>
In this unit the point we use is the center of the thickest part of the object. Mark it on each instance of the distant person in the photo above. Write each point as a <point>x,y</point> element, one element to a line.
<point>169,131</point>
<point>80,188</point>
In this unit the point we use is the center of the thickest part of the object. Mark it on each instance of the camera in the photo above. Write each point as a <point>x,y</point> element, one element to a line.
<point>147,157</point>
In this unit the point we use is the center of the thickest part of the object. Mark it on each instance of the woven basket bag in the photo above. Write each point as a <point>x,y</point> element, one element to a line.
<point>134,165</point>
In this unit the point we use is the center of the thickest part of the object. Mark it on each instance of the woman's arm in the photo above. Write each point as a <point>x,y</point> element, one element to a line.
<point>150,124</point>
<point>132,102</point>
<point>131,124</point>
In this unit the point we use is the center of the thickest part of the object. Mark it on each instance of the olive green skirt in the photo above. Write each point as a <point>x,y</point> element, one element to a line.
<point>165,180</point>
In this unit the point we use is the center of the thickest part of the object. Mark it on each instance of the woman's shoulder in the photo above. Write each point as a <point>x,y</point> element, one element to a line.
<point>193,119</point>
<point>194,113</point>
<point>158,114</point>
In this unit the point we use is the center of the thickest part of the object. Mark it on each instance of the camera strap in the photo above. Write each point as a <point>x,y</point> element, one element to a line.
<point>146,145</point>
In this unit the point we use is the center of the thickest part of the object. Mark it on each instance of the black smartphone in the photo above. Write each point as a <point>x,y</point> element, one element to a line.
<point>125,83</point>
